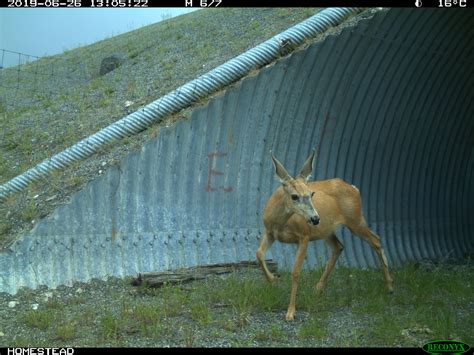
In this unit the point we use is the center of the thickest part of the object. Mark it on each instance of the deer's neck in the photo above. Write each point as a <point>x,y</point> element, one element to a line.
<point>278,213</point>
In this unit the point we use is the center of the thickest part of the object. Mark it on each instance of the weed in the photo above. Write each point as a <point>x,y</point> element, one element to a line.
<point>189,335</point>
<point>109,90</point>
<point>87,315</point>
<point>109,325</point>
<point>146,314</point>
<point>78,300</point>
<point>229,325</point>
<point>262,335</point>
<point>65,331</point>
<point>30,211</point>
<point>96,83</point>
<point>74,180</point>
<point>103,102</point>
<point>21,342</point>
<point>313,329</point>
<point>239,292</point>
<point>40,319</point>
<point>131,87</point>
<point>53,304</point>
<point>174,299</point>
<point>9,142</point>
<point>241,318</point>
<point>5,228</point>
<point>272,296</point>
<point>200,313</point>
<point>275,333</point>
<point>254,25</point>
<point>133,54</point>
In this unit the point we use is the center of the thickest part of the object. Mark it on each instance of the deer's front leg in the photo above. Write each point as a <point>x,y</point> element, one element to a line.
<point>266,242</point>
<point>300,255</point>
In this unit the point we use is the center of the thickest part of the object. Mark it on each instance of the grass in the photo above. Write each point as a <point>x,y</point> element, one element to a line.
<point>65,331</point>
<point>109,326</point>
<point>40,319</point>
<point>313,329</point>
<point>244,310</point>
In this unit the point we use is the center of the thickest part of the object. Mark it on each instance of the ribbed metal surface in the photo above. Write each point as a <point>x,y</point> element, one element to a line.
<point>181,98</point>
<point>388,105</point>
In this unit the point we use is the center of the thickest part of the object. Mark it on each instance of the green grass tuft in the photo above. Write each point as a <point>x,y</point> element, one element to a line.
<point>39,319</point>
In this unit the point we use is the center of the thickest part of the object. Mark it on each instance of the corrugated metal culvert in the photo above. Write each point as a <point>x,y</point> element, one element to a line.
<point>388,104</point>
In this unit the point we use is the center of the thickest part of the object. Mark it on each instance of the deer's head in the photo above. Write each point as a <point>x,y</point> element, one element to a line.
<point>298,196</point>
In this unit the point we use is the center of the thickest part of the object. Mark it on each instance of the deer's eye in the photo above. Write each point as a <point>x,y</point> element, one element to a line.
<point>312,194</point>
<point>295,197</point>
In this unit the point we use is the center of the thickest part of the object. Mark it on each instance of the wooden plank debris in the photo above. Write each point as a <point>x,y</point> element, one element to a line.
<point>158,279</point>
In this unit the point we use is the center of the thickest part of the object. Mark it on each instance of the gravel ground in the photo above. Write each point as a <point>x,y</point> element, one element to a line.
<point>354,311</point>
<point>226,329</point>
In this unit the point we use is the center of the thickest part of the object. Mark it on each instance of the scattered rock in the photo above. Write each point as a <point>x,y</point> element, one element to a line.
<point>12,304</point>
<point>416,331</point>
<point>34,306</point>
<point>79,290</point>
<point>109,63</point>
<point>51,198</point>
<point>2,334</point>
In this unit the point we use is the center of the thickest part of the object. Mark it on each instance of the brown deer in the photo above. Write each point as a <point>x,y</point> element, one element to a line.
<point>300,211</point>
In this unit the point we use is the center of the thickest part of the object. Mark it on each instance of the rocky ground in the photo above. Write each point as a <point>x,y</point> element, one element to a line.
<point>242,310</point>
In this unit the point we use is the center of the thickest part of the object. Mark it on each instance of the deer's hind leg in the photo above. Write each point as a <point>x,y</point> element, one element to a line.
<point>363,231</point>
<point>336,247</point>
<point>265,243</point>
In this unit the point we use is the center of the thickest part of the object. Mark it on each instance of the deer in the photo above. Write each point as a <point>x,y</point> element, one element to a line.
<point>300,211</point>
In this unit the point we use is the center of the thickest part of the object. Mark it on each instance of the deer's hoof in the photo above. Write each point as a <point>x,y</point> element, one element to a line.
<point>390,288</point>
<point>272,278</point>
<point>290,316</point>
<point>319,289</point>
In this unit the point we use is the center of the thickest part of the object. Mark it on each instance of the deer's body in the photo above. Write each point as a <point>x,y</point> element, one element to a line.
<point>334,199</point>
<point>300,211</point>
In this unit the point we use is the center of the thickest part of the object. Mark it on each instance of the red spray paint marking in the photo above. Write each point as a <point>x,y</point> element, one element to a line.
<point>212,172</point>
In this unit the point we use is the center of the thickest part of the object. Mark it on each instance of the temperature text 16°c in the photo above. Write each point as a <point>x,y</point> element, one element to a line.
<point>452,3</point>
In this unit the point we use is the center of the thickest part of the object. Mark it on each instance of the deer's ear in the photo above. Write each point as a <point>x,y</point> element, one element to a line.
<point>307,169</point>
<point>280,171</point>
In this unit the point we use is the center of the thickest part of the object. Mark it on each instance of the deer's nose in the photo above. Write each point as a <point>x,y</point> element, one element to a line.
<point>315,220</point>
